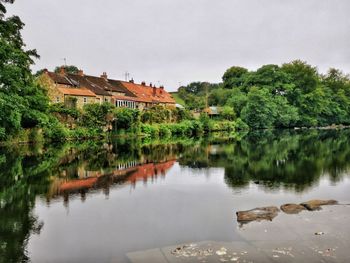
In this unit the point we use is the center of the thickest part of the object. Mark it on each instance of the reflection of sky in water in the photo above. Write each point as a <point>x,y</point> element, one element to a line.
<point>187,205</point>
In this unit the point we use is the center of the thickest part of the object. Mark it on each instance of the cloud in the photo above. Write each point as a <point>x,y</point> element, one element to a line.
<point>185,40</point>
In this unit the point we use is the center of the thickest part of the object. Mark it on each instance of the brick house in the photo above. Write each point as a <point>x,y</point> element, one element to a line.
<point>84,89</point>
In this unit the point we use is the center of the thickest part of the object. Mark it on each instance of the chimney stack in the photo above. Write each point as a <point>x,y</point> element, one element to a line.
<point>132,80</point>
<point>104,76</point>
<point>143,83</point>
<point>62,71</point>
<point>151,85</point>
<point>80,72</point>
<point>161,89</point>
<point>154,91</point>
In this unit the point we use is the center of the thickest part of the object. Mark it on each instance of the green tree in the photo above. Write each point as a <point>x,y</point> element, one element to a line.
<point>303,75</point>
<point>271,77</point>
<point>260,110</point>
<point>228,113</point>
<point>218,97</point>
<point>237,101</point>
<point>22,102</point>
<point>286,114</point>
<point>234,77</point>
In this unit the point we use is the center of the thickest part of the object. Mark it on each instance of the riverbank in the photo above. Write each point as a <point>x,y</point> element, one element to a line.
<point>186,129</point>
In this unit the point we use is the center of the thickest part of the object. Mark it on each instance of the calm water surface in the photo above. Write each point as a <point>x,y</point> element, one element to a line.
<point>96,202</point>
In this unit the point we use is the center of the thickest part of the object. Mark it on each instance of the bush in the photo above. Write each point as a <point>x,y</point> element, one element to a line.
<point>84,133</point>
<point>179,115</point>
<point>228,113</point>
<point>64,110</point>
<point>223,126</point>
<point>156,114</point>
<point>54,130</point>
<point>97,115</point>
<point>164,130</point>
<point>241,125</point>
<point>2,134</point>
<point>126,118</point>
<point>149,130</point>
<point>206,122</point>
<point>197,128</point>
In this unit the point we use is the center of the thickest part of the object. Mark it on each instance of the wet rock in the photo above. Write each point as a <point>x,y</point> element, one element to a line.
<point>292,208</point>
<point>313,205</point>
<point>222,251</point>
<point>319,233</point>
<point>257,214</point>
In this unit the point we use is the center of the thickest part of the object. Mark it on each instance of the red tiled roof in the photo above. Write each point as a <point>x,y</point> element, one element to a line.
<point>77,92</point>
<point>146,93</point>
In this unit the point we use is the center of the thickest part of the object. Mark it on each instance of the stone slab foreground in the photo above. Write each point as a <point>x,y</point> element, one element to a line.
<point>289,238</point>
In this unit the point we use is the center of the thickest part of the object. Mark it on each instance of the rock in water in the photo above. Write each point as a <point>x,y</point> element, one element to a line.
<point>313,205</point>
<point>292,208</point>
<point>257,214</point>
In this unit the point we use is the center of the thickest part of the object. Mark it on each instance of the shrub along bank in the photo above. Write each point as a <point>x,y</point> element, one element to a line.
<point>99,121</point>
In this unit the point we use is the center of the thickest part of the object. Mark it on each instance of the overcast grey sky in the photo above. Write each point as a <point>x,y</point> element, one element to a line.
<point>173,41</point>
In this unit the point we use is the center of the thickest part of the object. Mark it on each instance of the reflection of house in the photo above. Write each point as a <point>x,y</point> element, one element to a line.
<point>84,89</point>
<point>146,171</point>
<point>98,180</point>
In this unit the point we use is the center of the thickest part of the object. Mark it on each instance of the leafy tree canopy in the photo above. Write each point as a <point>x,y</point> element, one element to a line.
<point>22,102</point>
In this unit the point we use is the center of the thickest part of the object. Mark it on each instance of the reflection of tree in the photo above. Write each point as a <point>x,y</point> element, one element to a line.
<point>294,160</point>
<point>20,181</point>
<point>277,158</point>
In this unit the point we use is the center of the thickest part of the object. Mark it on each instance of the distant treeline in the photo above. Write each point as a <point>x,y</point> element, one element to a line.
<point>294,94</point>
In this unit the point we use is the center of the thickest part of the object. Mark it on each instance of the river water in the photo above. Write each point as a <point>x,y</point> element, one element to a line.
<point>99,202</point>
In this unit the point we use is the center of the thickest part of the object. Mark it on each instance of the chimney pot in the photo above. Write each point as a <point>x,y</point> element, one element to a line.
<point>132,80</point>
<point>62,71</point>
<point>104,75</point>
<point>143,83</point>
<point>151,84</point>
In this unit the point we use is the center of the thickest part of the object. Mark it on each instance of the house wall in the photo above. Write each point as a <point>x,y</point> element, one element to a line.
<point>53,93</point>
<point>80,100</point>
<point>108,99</point>
<point>101,99</point>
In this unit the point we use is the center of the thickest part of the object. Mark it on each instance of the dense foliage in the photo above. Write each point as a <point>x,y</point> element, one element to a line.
<point>23,104</point>
<point>293,94</point>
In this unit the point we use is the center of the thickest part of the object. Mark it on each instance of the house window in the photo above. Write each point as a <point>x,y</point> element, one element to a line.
<point>57,99</point>
<point>106,100</point>
<point>85,100</point>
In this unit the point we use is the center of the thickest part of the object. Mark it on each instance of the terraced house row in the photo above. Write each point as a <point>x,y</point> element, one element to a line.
<point>80,89</point>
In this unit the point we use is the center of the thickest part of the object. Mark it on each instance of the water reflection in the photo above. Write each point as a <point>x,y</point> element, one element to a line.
<point>290,160</point>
